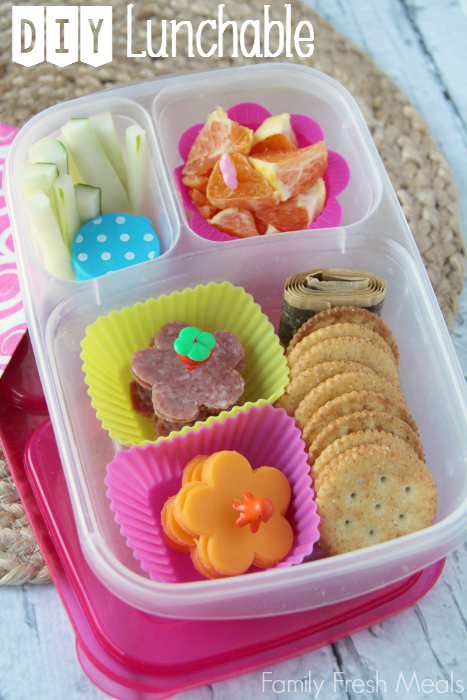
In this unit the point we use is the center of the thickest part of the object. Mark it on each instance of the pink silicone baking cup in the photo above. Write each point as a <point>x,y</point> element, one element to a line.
<point>140,481</point>
<point>308,132</point>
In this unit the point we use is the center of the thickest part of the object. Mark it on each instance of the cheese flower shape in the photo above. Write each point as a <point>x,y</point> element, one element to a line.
<point>205,510</point>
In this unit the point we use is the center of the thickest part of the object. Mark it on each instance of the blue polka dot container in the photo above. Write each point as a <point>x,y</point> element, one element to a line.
<point>111,242</point>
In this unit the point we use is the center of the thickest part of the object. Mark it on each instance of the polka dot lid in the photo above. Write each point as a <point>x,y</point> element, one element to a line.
<point>111,242</point>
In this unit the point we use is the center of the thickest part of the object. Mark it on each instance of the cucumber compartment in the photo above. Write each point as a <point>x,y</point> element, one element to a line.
<point>155,200</point>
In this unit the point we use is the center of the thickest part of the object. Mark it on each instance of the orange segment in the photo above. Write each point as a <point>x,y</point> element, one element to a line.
<point>264,228</point>
<point>235,222</point>
<point>274,134</point>
<point>298,212</point>
<point>293,172</point>
<point>196,182</point>
<point>277,143</point>
<point>204,206</point>
<point>252,192</point>
<point>219,135</point>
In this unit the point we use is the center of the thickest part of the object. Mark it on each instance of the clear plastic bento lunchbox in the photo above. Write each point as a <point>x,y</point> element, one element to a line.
<point>373,236</point>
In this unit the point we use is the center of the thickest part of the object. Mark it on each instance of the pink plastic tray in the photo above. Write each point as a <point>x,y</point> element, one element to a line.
<point>308,131</point>
<point>128,653</point>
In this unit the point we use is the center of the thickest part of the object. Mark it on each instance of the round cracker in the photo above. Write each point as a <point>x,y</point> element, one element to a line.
<point>346,314</point>
<point>372,494</point>
<point>308,380</point>
<point>338,330</point>
<point>364,420</point>
<point>353,402</point>
<point>353,349</point>
<point>343,384</point>
<point>347,442</point>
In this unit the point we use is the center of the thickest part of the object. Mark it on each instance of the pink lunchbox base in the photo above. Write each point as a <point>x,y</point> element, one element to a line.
<point>124,651</point>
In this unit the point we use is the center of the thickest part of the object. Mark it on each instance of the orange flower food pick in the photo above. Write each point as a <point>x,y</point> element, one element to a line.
<point>203,517</point>
<point>254,511</point>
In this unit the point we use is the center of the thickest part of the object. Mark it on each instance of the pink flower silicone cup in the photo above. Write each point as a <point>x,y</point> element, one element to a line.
<point>140,481</point>
<point>308,131</point>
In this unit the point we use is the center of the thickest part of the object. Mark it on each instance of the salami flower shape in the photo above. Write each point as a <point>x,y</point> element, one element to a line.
<point>178,393</point>
<point>194,347</point>
<point>206,510</point>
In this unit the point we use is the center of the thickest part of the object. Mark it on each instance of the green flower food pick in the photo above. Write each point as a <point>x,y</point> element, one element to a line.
<point>194,347</point>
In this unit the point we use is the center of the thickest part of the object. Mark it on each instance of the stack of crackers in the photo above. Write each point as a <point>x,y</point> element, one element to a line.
<point>367,461</point>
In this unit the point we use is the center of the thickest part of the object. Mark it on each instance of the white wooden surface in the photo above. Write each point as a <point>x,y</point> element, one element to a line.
<point>421,44</point>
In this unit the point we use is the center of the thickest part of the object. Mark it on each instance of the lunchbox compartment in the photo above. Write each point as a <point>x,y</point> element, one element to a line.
<point>157,203</point>
<point>429,384</point>
<point>279,89</point>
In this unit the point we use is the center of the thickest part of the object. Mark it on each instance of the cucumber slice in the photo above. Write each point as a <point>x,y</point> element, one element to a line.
<point>49,150</point>
<point>136,164</point>
<point>37,176</point>
<point>40,176</point>
<point>44,225</point>
<point>104,128</point>
<point>88,201</point>
<point>94,166</point>
<point>67,209</point>
<point>72,167</point>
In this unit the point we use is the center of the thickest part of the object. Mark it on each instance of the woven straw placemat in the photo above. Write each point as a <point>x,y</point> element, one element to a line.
<point>417,169</point>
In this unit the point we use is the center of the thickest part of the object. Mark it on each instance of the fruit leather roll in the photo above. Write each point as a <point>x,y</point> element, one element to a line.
<point>308,293</point>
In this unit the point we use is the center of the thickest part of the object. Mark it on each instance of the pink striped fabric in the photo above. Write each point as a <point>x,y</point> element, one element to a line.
<point>12,322</point>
